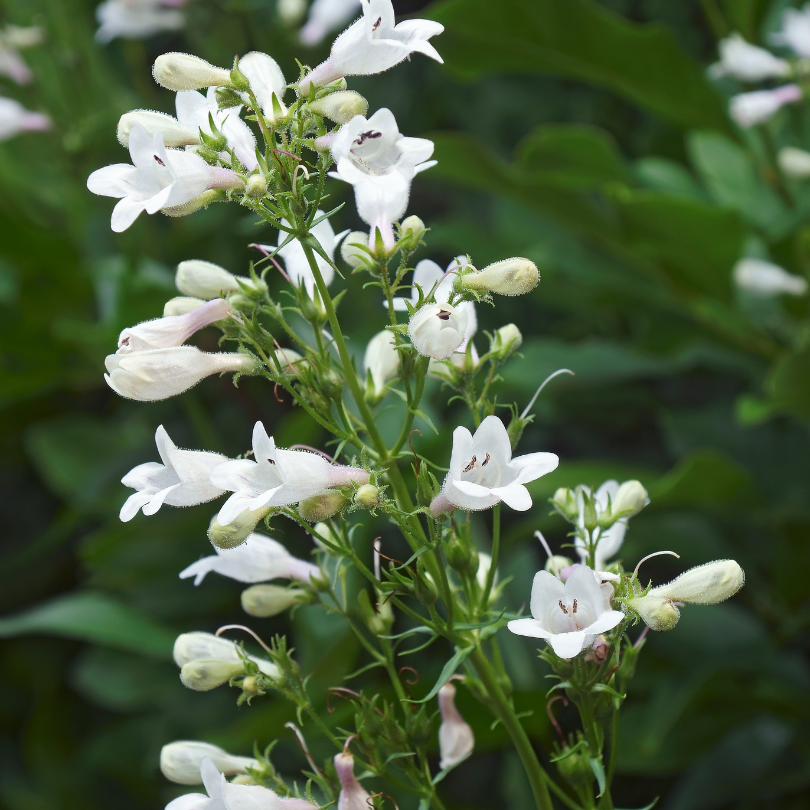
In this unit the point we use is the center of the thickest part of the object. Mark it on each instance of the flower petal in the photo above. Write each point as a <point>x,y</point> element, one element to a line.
<point>567,645</point>
<point>528,627</point>
<point>606,621</point>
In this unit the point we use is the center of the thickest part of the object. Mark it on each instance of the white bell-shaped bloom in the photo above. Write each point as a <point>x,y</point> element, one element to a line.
<point>381,360</point>
<point>438,330</point>
<point>750,109</point>
<point>15,119</point>
<point>748,63</point>
<point>380,164</point>
<point>266,81</point>
<point>483,472</point>
<point>295,260</point>
<point>160,178</point>
<point>767,279</point>
<point>610,540</point>
<point>430,277</point>
<point>136,19</point>
<point>456,740</point>
<point>277,477</point>
<point>162,373</point>
<point>12,40</point>
<point>183,479</point>
<point>353,796</point>
<point>180,761</point>
<point>258,559</point>
<point>175,330</point>
<point>374,44</point>
<point>568,615</point>
<point>795,32</point>
<point>224,795</point>
<point>199,646</point>
<point>326,16</point>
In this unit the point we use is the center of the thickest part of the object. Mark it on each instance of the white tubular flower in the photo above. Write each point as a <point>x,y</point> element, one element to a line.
<point>381,361</point>
<point>266,81</point>
<point>610,540</point>
<point>12,40</point>
<point>483,472</point>
<point>748,63</point>
<point>159,178</point>
<point>162,373</point>
<point>15,119</point>
<point>295,260</point>
<point>766,279</point>
<point>174,133</point>
<point>224,795</point>
<point>180,761</point>
<point>380,163</point>
<point>374,44</point>
<point>198,646</point>
<point>508,277</point>
<point>795,33</point>
<point>353,796</point>
<point>182,71</point>
<point>750,109</point>
<point>258,559</point>
<point>456,740</point>
<point>183,479</point>
<point>135,19</point>
<point>326,16</point>
<point>199,279</point>
<point>707,584</point>
<point>277,477</point>
<point>568,615</point>
<point>794,162</point>
<point>438,330</point>
<point>163,333</point>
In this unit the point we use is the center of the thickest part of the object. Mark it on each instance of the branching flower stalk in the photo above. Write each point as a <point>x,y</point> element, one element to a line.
<point>447,593</point>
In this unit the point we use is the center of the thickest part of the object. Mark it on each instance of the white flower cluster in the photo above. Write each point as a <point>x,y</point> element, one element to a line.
<point>14,117</point>
<point>138,19</point>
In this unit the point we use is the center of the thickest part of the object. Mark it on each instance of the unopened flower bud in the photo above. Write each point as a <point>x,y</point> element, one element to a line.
<point>630,499</point>
<point>795,162</point>
<point>556,564</point>
<point>244,778</point>
<point>367,496</point>
<point>207,674</point>
<point>462,555</point>
<point>264,601</point>
<point>238,530</point>
<point>182,71</point>
<point>203,201</point>
<point>353,795</point>
<point>704,585</point>
<point>354,249</point>
<point>657,612</point>
<point>322,506</point>
<point>437,330</point>
<point>508,277</point>
<point>250,685</point>
<point>324,530</point>
<point>506,341</point>
<point>256,185</point>
<point>180,761</point>
<point>424,588</point>
<point>412,230</point>
<point>181,305</point>
<point>766,279</point>
<point>173,132</point>
<point>575,766</point>
<point>340,107</point>
<point>200,279</point>
<point>456,740</point>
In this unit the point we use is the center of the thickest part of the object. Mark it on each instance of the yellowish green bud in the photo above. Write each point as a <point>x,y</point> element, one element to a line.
<point>630,499</point>
<point>340,107</point>
<point>256,185</point>
<point>182,71</point>
<point>207,674</point>
<point>705,585</point>
<point>556,564</point>
<point>323,506</point>
<point>203,201</point>
<point>506,341</point>
<point>235,533</point>
<point>656,612</point>
<point>509,277</point>
<point>264,601</point>
<point>367,496</point>
<point>181,306</point>
<point>412,229</point>
<point>353,249</point>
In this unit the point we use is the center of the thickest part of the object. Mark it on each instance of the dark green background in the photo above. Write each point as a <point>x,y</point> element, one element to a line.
<point>581,134</point>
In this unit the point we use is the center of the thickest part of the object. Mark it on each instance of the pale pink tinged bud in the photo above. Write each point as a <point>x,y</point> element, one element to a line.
<point>324,143</point>
<point>340,476</point>
<point>352,794</point>
<point>386,230</point>
<point>456,740</point>
<point>326,73</point>
<point>172,331</point>
<point>224,178</point>
<point>441,506</point>
<point>181,71</point>
<point>35,122</point>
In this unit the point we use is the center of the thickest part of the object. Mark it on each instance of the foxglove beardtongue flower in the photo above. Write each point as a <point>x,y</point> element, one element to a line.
<point>182,71</point>
<point>508,277</point>
<point>374,44</point>
<point>15,119</point>
<point>180,761</point>
<point>456,740</point>
<point>198,646</point>
<point>267,83</point>
<point>795,33</point>
<point>750,109</point>
<point>766,279</point>
<point>353,796</point>
<point>381,361</point>
<point>159,178</point>
<point>173,132</point>
<point>380,163</point>
<point>277,477</point>
<point>162,373</point>
<point>747,62</point>
<point>258,559</point>
<point>707,584</point>
<point>200,279</point>
<point>163,333</point>
<point>136,19</point>
<point>12,40</point>
<point>568,615</point>
<point>326,16</point>
<point>438,330</point>
<point>483,472</point>
<point>224,795</point>
<point>295,260</point>
<point>183,479</point>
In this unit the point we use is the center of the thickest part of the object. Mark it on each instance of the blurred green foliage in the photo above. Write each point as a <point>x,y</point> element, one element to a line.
<point>581,134</point>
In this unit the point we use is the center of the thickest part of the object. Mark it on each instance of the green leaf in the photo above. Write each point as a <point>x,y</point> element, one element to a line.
<point>745,16</point>
<point>649,806</point>
<point>599,773</point>
<point>92,617</point>
<point>581,40</point>
<point>449,670</point>
<point>788,383</point>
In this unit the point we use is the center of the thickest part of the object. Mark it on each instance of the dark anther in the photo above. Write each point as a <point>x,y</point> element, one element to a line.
<point>159,161</point>
<point>444,315</point>
<point>376,24</point>
<point>563,608</point>
<point>371,135</point>
<point>470,465</point>
<point>486,461</point>
<point>575,606</point>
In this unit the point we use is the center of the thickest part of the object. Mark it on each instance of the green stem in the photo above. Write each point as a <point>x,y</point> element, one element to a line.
<point>496,546</point>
